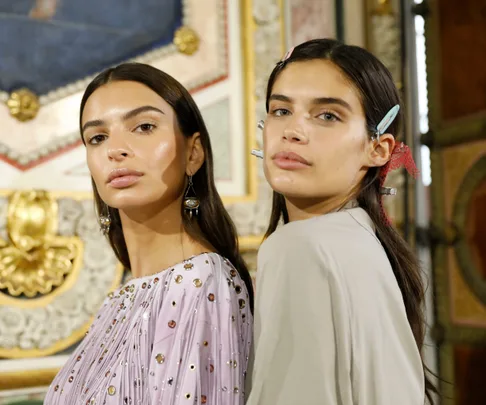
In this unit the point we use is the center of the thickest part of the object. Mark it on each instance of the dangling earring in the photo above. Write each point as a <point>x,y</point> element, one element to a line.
<point>191,203</point>
<point>105,222</point>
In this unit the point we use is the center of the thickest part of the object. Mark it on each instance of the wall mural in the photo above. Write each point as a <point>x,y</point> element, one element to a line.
<point>42,80</point>
<point>53,43</point>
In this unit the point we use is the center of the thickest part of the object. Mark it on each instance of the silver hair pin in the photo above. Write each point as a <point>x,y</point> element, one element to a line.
<point>388,191</point>
<point>257,152</point>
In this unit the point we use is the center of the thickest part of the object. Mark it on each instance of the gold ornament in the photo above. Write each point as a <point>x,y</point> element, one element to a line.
<point>384,7</point>
<point>186,40</point>
<point>23,104</point>
<point>34,260</point>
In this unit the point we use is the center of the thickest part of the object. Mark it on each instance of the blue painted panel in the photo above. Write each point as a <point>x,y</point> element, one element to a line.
<point>81,38</point>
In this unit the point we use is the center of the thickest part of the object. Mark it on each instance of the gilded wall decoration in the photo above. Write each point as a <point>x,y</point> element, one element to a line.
<point>47,303</point>
<point>34,260</point>
<point>23,104</point>
<point>186,40</point>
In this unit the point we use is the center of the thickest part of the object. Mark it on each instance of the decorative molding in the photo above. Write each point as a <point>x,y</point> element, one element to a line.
<point>464,130</point>
<point>12,380</point>
<point>472,275</point>
<point>265,39</point>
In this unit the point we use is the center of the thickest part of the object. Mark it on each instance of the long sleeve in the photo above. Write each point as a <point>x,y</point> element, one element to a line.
<point>330,323</point>
<point>202,340</point>
<point>298,320</point>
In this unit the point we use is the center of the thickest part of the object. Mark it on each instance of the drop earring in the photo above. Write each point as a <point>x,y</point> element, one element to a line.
<point>105,222</point>
<point>191,203</point>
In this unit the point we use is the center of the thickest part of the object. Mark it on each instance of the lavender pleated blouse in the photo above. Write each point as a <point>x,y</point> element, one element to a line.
<point>182,336</point>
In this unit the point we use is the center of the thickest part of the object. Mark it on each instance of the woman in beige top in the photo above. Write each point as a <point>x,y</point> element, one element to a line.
<point>338,316</point>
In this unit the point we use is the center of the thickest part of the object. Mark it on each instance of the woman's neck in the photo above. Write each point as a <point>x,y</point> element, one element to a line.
<point>156,239</point>
<point>305,208</point>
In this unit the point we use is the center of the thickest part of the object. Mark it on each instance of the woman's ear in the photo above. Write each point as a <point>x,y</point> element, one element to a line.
<point>380,150</point>
<point>195,154</point>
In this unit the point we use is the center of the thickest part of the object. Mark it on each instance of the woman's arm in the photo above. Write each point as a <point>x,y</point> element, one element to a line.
<point>200,355</point>
<point>330,324</point>
<point>302,341</point>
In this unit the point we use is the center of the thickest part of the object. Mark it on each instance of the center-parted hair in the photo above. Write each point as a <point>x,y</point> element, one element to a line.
<point>214,223</point>
<point>378,94</point>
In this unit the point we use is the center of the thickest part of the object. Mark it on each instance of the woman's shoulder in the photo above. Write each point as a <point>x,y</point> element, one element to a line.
<point>341,242</point>
<point>203,269</point>
<point>324,232</point>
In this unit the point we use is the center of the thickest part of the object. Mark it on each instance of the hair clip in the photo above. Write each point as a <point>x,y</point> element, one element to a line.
<point>387,120</point>
<point>388,191</point>
<point>258,153</point>
<point>261,124</point>
<point>286,56</point>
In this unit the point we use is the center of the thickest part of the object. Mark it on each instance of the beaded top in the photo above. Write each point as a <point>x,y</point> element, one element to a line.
<point>181,336</point>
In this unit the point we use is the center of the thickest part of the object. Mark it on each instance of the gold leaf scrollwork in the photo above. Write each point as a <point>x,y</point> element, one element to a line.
<point>23,104</point>
<point>186,40</point>
<point>34,260</point>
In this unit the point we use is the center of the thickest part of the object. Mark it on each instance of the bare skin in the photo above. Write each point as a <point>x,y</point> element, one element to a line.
<point>44,9</point>
<point>140,134</point>
<point>316,146</point>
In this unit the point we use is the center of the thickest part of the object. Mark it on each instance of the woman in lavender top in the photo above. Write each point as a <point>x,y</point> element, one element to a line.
<point>180,335</point>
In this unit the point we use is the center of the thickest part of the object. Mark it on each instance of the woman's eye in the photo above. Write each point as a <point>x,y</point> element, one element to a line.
<point>280,112</point>
<point>328,117</point>
<point>146,127</point>
<point>94,140</point>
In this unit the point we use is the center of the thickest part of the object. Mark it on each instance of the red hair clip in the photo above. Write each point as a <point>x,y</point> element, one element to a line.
<point>401,157</point>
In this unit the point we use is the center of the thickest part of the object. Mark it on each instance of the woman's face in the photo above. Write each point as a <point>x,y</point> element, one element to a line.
<point>315,138</point>
<point>135,151</point>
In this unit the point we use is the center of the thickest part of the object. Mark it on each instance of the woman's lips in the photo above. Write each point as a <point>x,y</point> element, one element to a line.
<point>290,161</point>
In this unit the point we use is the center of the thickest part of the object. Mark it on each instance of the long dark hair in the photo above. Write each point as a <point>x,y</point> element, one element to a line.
<point>378,94</point>
<point>214,223</point>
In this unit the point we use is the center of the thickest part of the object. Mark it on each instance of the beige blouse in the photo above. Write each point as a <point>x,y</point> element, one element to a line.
<point>330,322</point>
